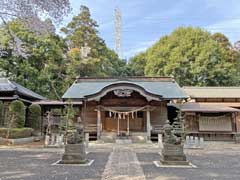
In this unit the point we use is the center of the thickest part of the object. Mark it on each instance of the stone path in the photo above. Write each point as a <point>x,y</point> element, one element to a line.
<point>123,164</point>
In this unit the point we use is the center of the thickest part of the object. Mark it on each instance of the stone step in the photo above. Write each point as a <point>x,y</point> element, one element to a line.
<point>123,141</point>
<point>135,137</point>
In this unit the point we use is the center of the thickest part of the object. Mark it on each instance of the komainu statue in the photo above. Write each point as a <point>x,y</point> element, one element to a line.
<point>169,136</point>
<point>75,149</point>
<point>172,151</point>
<point>76,136</point>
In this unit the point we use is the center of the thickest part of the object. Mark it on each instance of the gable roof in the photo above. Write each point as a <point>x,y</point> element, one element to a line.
<point>10,86</point>
<point>165,87</point>
<point>213,92</point>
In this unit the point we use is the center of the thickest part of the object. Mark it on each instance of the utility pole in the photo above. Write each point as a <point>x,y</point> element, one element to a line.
<point>118,32</point>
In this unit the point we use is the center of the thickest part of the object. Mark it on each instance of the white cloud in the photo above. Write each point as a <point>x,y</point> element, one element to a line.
<point>229,27</point>
<point>138,48</point>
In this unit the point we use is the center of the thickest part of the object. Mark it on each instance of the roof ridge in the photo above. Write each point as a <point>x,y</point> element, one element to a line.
<point>211,87</point>
<point>130,78</point>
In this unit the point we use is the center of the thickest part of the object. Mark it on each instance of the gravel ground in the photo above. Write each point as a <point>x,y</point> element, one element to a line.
<point>216,161</point>
<point>32,165</point>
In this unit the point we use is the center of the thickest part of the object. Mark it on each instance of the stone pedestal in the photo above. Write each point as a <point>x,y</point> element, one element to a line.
<point>46,142</point>
<point>173,154</point>
<point>74,154</point>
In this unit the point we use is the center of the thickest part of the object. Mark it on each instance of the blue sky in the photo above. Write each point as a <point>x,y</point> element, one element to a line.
<point>145,21</point>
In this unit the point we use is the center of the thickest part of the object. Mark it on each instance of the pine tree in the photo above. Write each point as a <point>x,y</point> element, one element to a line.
<point>81,33</point>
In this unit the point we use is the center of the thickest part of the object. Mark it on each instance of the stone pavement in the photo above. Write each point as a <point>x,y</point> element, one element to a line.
<point>123,164</point>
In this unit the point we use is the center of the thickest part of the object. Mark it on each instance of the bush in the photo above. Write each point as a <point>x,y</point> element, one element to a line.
<point>17,114</point>
<point>16,132</point>
<point>34,116</point>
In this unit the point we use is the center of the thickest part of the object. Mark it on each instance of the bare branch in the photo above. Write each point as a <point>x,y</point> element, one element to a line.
<point>16,44</point>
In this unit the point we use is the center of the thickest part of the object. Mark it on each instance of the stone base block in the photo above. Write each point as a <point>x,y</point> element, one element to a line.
<point>173,155</point>
<point>174,158</point>
<point>69,160</point>
<point>178,163</point>
<point>19,141</point>
<point>183,165</point>
<point>74,154</point>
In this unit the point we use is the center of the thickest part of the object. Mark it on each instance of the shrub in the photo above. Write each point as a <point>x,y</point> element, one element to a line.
<point>16,132</point>
<point>16,114</point>
<point>56,111</point>
<point>34,116</point>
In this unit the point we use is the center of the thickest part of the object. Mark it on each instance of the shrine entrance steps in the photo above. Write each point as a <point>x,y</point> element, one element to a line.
<point>134,137</point>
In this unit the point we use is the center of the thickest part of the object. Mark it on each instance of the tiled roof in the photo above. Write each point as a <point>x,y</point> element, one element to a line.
<point>165,87</point>
<point>213,92</point>
<point>8,86</point>
<point>228,104</point>
<point>205,107</point>
<point>55,102</point>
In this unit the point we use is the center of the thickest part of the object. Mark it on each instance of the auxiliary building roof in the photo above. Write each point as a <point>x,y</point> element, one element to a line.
<point>165,87</point>
<point>205,107</point>
<point>213,92</point>
<point>11,86</point>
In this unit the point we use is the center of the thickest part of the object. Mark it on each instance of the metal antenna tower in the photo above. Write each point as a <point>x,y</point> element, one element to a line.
<point>118,32</point>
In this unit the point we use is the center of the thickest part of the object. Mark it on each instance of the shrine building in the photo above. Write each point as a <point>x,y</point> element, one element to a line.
<point>133,107</point>
<point>212,112</point>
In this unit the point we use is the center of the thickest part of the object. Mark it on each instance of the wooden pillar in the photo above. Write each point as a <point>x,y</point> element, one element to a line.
<point>98,124</point>
<point>128,124</point>
<point>148,125</point>
<point>118,126</point>
<point>237,120</point>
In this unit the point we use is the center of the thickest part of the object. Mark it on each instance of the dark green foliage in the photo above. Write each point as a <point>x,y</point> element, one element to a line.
<point>43,69</point>
<point>16,114</point>
<point>137,64</point>
<point>193,57</point>
<point>16,132</point>
<point>56,112</point>
<point>70,113</point>
<point>222,39</point>
<point>34,116</point>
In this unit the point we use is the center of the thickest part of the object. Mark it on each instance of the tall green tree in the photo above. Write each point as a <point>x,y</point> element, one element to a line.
<point>43,69</point>
<point>88,54</point>
<point>137,64</point>
<point>194,57</point>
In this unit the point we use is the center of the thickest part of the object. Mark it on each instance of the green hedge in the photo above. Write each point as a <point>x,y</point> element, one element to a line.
<point>17,114</point>
<point>16,132</point>
<point>34,116</point>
